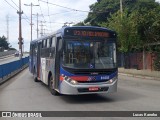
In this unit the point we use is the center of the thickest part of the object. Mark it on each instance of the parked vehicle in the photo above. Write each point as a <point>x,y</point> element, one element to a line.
<point>16,54</point>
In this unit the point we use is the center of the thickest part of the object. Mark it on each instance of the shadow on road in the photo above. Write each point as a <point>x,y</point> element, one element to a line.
<point>126,95</point>
<point>120,95</point>
<point>91,98</point>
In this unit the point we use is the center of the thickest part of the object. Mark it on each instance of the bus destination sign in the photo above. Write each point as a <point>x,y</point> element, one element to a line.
<point>87,33</point>
<point>90,33</point>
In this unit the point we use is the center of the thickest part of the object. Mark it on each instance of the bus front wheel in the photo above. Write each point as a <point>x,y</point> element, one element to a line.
<point>51,85</point>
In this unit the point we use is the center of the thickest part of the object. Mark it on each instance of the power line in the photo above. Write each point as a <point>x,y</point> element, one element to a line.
<point>56,22</point>
<point>27,19</point>
<point>13,6</point>
<point>59,13</point>
<point>15,3</point>
<point>17,10</point>
<point>64,6</point>
<point>10,5</point>
<point>41,10</point>
<point>31,5</point>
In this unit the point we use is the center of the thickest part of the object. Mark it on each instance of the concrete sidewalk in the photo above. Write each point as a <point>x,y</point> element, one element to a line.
<point>145,74</point>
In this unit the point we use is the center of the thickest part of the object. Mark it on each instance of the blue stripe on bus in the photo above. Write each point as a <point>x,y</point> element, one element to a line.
<point>98,77</point>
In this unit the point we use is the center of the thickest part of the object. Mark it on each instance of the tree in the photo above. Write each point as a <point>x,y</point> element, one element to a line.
<point>149,25</point>
<point>80,24</point>
<point>102,9</point>
<point>138,25</point>
<point>3,42</point>
<point>157,63</point>
<point>126,27</point>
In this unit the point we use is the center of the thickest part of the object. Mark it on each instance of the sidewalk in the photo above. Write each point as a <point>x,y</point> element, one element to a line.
<point>146,74</point>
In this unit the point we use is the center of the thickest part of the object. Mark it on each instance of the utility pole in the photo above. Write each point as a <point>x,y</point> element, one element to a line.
<point>44,31</point>
<point>31,16</point>
<point>37,23</point>
<point>20,30</point>
<point>7,19</point>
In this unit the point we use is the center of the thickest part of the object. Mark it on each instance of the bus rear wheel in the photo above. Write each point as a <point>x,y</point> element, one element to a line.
<point>51,85</point>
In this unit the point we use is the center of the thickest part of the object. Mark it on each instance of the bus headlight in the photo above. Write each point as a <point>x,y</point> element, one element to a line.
<point>113,79</point>
<point>73,82</point>
<point>68,79</point>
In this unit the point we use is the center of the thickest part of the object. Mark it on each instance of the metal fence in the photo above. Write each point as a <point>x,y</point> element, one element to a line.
<point>135,60</point>
<point>9,68</point>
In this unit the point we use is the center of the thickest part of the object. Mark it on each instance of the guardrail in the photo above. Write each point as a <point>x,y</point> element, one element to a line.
<point>10,69</point>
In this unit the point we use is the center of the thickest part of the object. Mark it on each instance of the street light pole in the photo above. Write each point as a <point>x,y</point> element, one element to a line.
<point>31,15</point>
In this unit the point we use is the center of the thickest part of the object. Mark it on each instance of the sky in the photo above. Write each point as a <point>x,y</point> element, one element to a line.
<point>52,13</point>
<point>55,13</point>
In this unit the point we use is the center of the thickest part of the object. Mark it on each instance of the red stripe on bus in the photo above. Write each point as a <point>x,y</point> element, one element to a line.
<point>80,78</point>
<point>61,78</point>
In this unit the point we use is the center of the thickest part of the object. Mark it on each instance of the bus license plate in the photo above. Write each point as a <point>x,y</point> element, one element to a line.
<point>93,89</point>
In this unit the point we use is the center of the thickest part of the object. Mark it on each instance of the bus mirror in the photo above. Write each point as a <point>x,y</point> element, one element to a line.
<point>60,45</point>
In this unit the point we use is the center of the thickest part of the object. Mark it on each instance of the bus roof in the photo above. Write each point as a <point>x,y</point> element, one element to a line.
<point>62,30</point>
<point>84,27</point>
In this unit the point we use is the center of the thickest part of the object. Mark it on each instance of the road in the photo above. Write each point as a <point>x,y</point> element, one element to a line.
<point>10,59</point>
<point>21,93</point>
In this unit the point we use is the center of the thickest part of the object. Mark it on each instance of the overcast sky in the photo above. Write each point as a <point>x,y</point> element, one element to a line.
<point>57,16</point>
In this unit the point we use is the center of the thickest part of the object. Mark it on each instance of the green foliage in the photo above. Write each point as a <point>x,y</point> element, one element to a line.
<point>80,24</point>
<point>3,42</point>
<point>101,10</point>
<point>126,26</point>
<point>137,27</point>
<point>149,22</point>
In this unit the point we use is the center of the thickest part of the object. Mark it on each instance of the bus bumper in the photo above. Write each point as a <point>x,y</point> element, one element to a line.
<point>86,88</point>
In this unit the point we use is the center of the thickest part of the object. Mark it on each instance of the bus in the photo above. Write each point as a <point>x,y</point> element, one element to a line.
<point>76,60</point>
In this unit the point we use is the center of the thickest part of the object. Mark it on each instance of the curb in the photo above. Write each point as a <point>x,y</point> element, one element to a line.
<point>140,76</point>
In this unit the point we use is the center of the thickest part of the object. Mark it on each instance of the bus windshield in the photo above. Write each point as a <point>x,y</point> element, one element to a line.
<point>89,54</point>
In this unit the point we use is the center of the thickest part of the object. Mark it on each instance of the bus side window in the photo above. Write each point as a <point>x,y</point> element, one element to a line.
<point>35,49</point>
<point>44,44</point>
<point>48,45</point>
<point>50,42</point>
<point>53,42</point>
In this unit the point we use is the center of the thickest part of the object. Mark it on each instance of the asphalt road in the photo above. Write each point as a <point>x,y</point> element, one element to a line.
<point>10,59</point>
<point>21,93</point>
